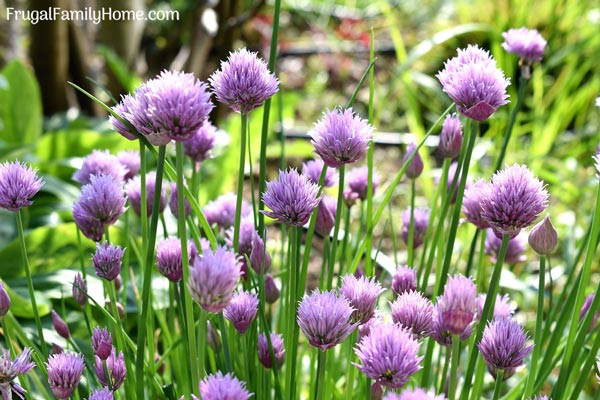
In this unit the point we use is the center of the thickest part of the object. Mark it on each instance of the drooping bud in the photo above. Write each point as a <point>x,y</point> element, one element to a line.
<point>415,167</point>
<point>60,326</point>
<point>543,237</point>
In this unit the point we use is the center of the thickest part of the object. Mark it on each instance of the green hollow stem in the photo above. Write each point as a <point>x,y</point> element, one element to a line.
<point>538,331</point>
<point>196,360</point>
<point>454,367</point>
<point>7,336</point>
<point>369,271</point>
<point>498,385</point>
<point>427,363</point>
<point>293,328</point>
<point>240,184</point>
<point>444,374</point>
<point>147,277</point>
<point>226,351</point>
<point>488,307</point>
<point>321,367</point>
<point>36,314</point>
<point>411,226</point>
<point>336,227</point>
<point>143,198</point>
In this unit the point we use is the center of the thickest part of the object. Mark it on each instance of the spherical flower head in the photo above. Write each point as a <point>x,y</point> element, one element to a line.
<point>4,301</point>
<point>100,162</point>
<point>64,373</point>
<point>244,81</point>
<point>458,304</point>
<point>247,234</point>
<point>451,137</point>
<point>101,343</point>
<point>242,310</point>
<point>116,369</point>
<point>213,278</point>
<point>18,183</point>
<point>514,251</point>
<point>503,346</point>
<point>528,44</point>
<point>198,147</point>
<point>174,207</point>
<point>388,355</point>
<point>415,166</point>
<point>421,218</point>
<point>584,309</point>
<point>60,326</point>
<point>502,306</point>
<point>514,200</point>
<point>278,350</point>
<point>134,194</point>
<point>123,109</point>
<point>472,203</point>
<point>10,370</point>
<point>441,334</point>
<point>175,105</point>
<point>168,259</point>
<point>326,214</point>
<point>130,159</point>
<point>260,259</point>
<point>108,260</point>
<point>474,83</point>
<point>325,319</point>
<point>271,290</point>
<point>414,394</point>
<point>312,170</point>
<point>341,137</point>
<point>405,279</point>
<point>291,198</point>
<point>543,237</point>
<point>414,312</point>
<point>358,180</point>
<point>220,387</point>
<point>221,211</point>
<point>101,394</point>
<point>362,293</point>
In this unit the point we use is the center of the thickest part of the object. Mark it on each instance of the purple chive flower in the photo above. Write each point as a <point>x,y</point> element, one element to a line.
<point>502,306</point>
<point>414,394</point>
<point>219,387</point>
<point>60,326</point>
<point>278,350</point>
<point>451,137</point>
<point>405,279</point>
<point>528,44</point>
<point>514,200</point>
<point>4,301</point>
<point>101,394</point>
<point>101,343</point>
<point>389,355</point>
<point>213,278</point>
<point>312,170</point>
<point>514,251</point>
<point>540,397</point>
<point>326,215</point>
<point>414,312</point>
<point>244,81</point>
<point>134,193</point>
<point>503,346</point>
<point>365,329</point>
<point>246,237</point>
<point>107,260</point>
<point>325,319</point>
<point>18,183</point>
<point>260,259</point>
<point>101,203</point>
<point>242,310</point>
<point>358,180</point>
<point>130,159</point>
<point>116,369</point>
<point>362,293</point>
<point>441,334</point>
<point>10,370</point>
<point>584,309</point>
<point>474,83</point>
<point>100,162</point>
<point>415,167</point>
<point>341,137</point>
<point>543,237</point>
<point>171,106</point>
<point>168,259</point>
<point>271,289</point>
<point>198,147</point>
<point>64,373</point>
<point>291,198</point>
<point>123,109</point>
<point>221,211</point>
<point>458,304</point>
<point>174,207</point>
<point>472,203</point>
<point>421,217</point>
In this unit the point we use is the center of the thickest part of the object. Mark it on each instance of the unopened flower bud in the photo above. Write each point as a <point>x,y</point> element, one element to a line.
<point>415,167</point>
<point>271,289</point>
<point>543,237</point>
<point>80,290</point>
<point>60,326</point>
<point>450,137</point>
<point>4,301</point>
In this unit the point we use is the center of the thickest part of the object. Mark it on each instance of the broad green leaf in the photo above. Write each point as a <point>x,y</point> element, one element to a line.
<point>20,105</point>
<point>21,304</point>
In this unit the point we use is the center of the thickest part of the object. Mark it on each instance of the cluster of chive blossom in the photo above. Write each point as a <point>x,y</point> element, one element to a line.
<point>528,44</point>
<point>169,258</point>
<point>414,394</point>
<point>108,260</point>
<point>456,308</point>
<point>241,310</point>
<point>221,211</point>
<point>134,194</point>
<point>18,184</point>
<point>251,247</point>
<point>218,386</point>
<point>326,215</point>
<point>473,81</point>
<point>404,280</point>
<point>341,137</point>
<point>278,350</point>
<point>413,311</point>
<point>172,106</point>
<point>421,221</point>
<point>10,369</point>
<point>100,162</point>
<point>107,360</point>
<point>312,170</point>
<point>514,251</point>
<point>174,206</point>
<point>101,394</point>
<point>244,82</point>
<point>502,306</point>
<point>64,373</point>
<point>199,146</point>
<point>291,198</point>
<point>362,293</point>
<point>451,137</point>
<point>358,181</point>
